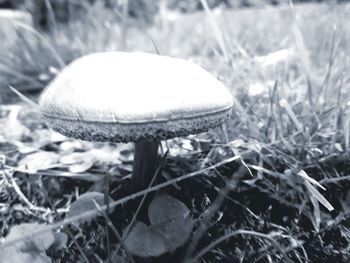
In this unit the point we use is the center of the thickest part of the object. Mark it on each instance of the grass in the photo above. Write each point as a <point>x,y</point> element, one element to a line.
<point>290,128</point>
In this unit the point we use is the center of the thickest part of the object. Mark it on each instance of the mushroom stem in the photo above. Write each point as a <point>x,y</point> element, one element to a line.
<point>145,163</point>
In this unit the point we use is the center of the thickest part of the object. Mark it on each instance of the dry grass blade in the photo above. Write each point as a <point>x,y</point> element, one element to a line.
<point>335,180</point>
<point>25,99</point>
<point>240,232</point>
<point>304,175</point>
<point>318,196</point>
<point>284,103</point>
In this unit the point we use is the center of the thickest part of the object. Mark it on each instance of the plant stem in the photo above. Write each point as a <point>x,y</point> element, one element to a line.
<point>145,163</point>
<point>106,199</point>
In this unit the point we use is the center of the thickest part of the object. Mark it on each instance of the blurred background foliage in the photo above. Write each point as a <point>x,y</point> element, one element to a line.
<point>142,10</point>
<point>66,29</point>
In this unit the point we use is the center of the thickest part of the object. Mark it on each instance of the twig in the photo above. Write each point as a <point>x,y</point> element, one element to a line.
<point>334,180</point>
<point>25,200</point>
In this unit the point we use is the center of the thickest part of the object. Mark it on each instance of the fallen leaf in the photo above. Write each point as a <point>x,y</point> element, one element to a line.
<point>41,160</point>
<point>81,167</point>
<point>78,162</point>
<point>76,157</point>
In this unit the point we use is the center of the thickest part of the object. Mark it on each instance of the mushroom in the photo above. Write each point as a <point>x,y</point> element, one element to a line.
<point>134,97</point>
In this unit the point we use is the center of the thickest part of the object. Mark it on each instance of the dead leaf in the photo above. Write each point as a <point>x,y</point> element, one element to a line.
<point>41,160</point>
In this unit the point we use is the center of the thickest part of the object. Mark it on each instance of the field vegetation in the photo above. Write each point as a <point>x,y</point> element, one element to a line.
<point>271,185</point>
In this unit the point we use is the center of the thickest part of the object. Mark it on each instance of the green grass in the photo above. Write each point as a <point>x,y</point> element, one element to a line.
<point>290,125</point>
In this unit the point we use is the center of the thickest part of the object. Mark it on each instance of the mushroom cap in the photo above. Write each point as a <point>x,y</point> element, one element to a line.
<point>124,97</point>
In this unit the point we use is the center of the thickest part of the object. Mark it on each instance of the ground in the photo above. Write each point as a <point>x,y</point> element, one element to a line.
<point>271,185</point>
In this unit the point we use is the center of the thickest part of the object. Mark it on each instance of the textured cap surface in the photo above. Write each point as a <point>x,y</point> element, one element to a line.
<point>117,96</point>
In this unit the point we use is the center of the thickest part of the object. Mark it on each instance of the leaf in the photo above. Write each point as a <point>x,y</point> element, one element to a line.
<point>145,242</point>
<point>171,227</point>
<point>167,215</point>
<point>84,203</point>
<point>38,161</point>
<point>31,249</point>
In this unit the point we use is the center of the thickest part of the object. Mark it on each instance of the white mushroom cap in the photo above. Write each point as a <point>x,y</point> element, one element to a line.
<point>122,97</point>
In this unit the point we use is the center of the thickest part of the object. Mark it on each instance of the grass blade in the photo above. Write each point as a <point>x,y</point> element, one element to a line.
<point>25,99</point>
<point>318,196</point>
<point>304,175</point>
